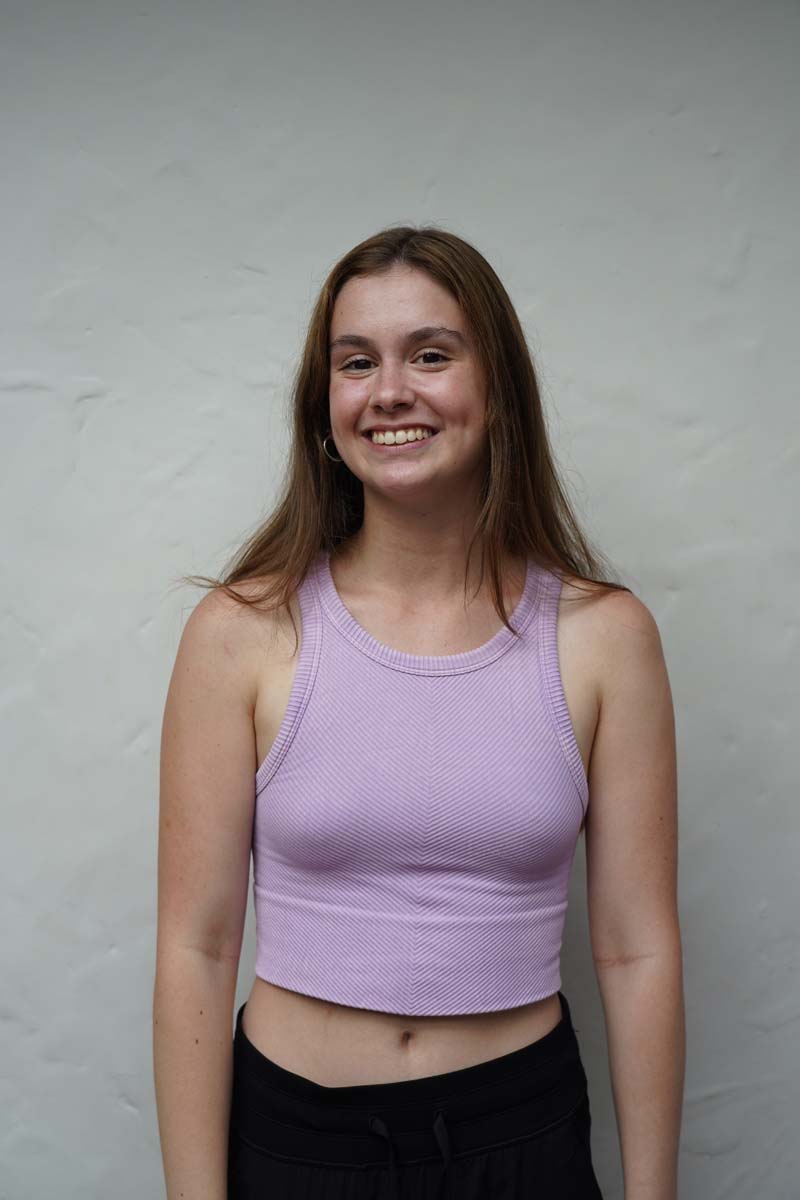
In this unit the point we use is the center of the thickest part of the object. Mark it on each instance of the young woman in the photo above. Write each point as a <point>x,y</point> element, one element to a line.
<point>401,697</point>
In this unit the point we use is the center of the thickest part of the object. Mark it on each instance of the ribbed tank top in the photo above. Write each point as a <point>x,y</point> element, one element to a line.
<point>417,815</point>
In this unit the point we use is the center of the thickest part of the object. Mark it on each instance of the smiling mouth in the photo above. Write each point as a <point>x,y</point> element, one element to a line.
<point>399,446</point>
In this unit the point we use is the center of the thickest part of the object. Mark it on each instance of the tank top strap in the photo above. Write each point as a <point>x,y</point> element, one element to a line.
<point>310,633</point>
<point>550,666</point>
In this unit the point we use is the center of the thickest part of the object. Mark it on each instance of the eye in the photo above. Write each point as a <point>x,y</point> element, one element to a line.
<point>352,362</point>
<point>361,359</point>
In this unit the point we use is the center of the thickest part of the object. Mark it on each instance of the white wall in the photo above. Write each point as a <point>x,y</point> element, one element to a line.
<point>177,180</point>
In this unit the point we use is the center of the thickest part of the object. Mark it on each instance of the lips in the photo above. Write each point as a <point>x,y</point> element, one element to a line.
<point>385,447</point>
<point>396,429</point>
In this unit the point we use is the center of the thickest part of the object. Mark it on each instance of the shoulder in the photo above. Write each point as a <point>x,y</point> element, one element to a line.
<point>618,634</point>
<point>256,612</point>
<point>220,617</point>
<point>228,638</point>
<point>612,612</point>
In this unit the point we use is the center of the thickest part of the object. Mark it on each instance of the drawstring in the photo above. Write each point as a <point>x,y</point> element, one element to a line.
<point>378,1125</point>
<point>443,1138</point>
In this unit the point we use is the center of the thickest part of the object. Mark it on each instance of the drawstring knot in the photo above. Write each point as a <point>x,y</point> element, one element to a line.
<point>440,1132</point>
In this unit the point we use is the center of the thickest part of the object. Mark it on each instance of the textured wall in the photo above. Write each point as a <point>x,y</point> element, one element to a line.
<point>177,179</point>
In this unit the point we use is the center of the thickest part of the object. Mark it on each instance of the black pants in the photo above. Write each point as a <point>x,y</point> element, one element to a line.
<point>512,1127</point>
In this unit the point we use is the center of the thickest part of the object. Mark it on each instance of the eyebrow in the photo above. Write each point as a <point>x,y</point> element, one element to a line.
<point>426,333</point>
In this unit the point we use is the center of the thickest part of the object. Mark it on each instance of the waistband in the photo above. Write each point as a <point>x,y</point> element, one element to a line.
<point>527,1092</point>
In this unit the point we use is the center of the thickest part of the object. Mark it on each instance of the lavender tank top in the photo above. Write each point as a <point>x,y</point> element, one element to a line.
<point>417,815</point>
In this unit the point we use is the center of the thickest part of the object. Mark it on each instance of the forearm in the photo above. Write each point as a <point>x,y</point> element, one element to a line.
<point>193,998</point>
<point>645,1022</point>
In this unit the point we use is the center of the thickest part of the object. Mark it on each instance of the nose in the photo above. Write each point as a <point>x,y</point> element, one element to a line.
<point>390,387</point>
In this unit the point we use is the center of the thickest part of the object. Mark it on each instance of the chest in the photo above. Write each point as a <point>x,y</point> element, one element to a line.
<point>577,668</point>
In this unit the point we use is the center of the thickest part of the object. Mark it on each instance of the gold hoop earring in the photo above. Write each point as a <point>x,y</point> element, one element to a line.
<point>327,452</point>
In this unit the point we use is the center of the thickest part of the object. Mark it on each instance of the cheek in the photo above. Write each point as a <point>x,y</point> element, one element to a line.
<point>461,399</point>
<point>468,416</point>
<point>346,403</point>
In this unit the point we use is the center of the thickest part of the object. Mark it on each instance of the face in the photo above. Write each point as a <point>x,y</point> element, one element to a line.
<point>386,374</point>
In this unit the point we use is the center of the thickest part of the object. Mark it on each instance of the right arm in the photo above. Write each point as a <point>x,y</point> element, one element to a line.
<point>207,794</point>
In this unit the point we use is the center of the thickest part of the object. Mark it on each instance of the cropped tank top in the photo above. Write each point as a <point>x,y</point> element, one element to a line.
<point>417,815</point>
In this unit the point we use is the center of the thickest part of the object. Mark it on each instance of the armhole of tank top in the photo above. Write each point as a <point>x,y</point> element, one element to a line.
<point>304,676</point>
<point>553,685</point>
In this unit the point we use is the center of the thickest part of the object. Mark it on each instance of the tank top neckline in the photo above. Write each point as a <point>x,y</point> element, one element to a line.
<point>428,664</point>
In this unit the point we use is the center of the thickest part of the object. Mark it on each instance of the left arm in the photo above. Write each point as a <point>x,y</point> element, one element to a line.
<point>632,875</point>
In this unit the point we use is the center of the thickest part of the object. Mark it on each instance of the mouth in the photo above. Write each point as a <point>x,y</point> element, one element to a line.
<point>399,447</point>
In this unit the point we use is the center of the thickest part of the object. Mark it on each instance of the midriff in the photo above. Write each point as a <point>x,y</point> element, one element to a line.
<point>336,1045</point>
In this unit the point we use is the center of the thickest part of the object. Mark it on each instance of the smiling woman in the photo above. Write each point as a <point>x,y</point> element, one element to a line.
<point>427,378</point>
<point>465,693</point>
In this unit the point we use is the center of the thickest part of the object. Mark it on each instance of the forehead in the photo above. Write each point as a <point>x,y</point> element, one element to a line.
<point>378,303</point>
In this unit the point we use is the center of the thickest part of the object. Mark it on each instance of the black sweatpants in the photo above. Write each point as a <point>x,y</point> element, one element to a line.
<point>515,1127</point>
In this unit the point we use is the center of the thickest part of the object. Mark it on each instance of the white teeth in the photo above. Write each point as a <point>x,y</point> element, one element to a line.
<point>392,437</point>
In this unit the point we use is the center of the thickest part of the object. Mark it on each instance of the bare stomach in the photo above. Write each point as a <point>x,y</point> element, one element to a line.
<point>338,1046</point>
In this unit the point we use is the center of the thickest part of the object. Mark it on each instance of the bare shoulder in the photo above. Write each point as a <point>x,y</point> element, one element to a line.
<point>611,612</point>
<point>238,635</point>
<point>614,630</point>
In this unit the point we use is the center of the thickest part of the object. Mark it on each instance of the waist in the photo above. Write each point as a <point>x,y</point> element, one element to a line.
<point>337,1044</point>
<point>534,1087</point>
